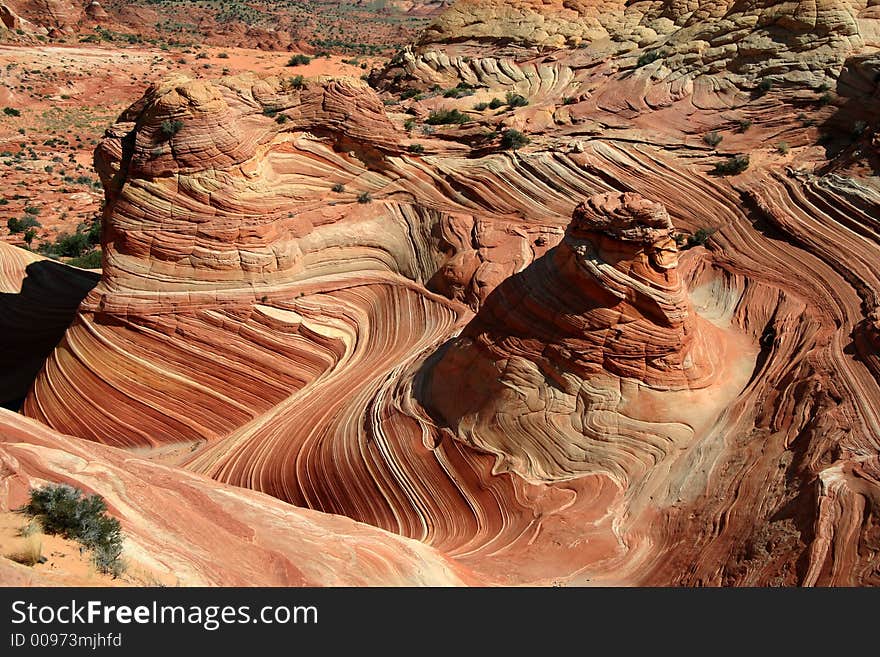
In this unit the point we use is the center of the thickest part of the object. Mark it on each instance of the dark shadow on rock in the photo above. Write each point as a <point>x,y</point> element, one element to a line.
<point>33,321</point>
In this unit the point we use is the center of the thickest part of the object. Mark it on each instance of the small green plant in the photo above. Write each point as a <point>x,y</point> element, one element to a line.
<point>406,94</point>
<point>91,260</point>
<point>170,127</point>
<point>416,148</point>
<point>765,85</point>
<point>11,111</point>
<point>29,235</point>
<point>495,103</point>
<point>281,119</point>
<point>295,82</point>
<point>825,99</point>
<point>409,124</point>
<point>516,100</point>
<point>223,55</point>
<point>65,510</point>
<point>744,125</point>
<point>460,91</point>
<point>649,57</point>
<point>299,60</point>
<point>782,148</point>
<point>480,107</point>
<point>365,197</point>
<point>569,100</point>
<point>823,87</point>
<point>339,188</point>
<point>513,140</point>
<point>712,138</point>
<point>699,238</point>
<point>447,117</point>
<point>21,225</point>
<point>732,165</point>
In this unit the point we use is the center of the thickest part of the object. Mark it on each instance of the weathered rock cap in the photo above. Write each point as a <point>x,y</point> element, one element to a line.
<point>625,216</point>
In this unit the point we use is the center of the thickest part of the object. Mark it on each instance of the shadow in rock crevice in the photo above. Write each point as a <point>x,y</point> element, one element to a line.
<point>33,321</point>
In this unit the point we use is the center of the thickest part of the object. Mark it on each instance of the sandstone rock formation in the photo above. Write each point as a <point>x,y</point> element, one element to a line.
<point>595,356</point>
<point>264,542</point>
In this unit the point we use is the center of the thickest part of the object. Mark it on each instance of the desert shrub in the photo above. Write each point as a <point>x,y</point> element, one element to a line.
<point>222,55</point>
<point>29,235</point>
<point>416,148</point>
<point>513,140</point>
<point>281,119</point>
<point>446,117</point>
<point>202,55</point>
<point>67,511</point>
<point>271,113</point>
<point>783,147</point>
<point>365,197</point>
<point>32,209</point>
<point>409,124</point>
<point>71,245</point>
<point>712,138</point>
<point>170,127</point>
<point>732,165</point>
<point>460,91</point>
<point>825,98</point>
<point>21,225</point>
<point>516,100</point>
<point>31,553</point>
<point>91,260</point>
<point>479,107</point>
<point>299,60</point>
<point>858,129</point>
<point>406,94</point>
<point>649,56</point>
<point>744,125</point>
<point>339,188</point>
<point>569,100</point>
<point>295,82</point>
<point>699,238</point>
<point>765,85</point>
<point>495,103</point>
<point>11,111</point>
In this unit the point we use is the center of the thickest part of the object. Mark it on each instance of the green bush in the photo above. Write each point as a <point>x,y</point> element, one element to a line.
<point>222,55</point>
<point>481,106</point>
<point>513,140</point>
<point>699,238</point>
<point>460,91</point>
<point>744,125</point>
<point>21,225</point>
<point>295,82</point>
<point>764,86</point>
<point>65,510</point>
<point>650,56</point>
<point>71,245</point>
<point>516,100</point>
<point>733,165</point>
<point>299,60</point>
<point>11,111</point>
<point>91,260</point>
<point>446,117</point>
<point>169,127</point>
<point>783,147</point>
<point>712,138</point>
<point>339,188</point>
<point>365,197</point>
<point>416,148</point>
<point>495,103</point>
